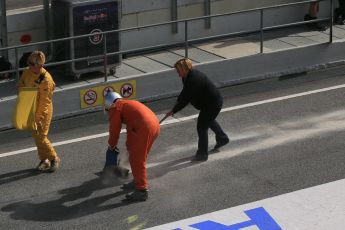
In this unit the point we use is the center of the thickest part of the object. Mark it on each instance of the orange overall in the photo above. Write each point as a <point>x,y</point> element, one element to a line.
<point>44,110</point>
<point>142,129</point>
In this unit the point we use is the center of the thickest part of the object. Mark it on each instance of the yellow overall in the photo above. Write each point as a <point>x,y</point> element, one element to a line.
<point>44,110</point>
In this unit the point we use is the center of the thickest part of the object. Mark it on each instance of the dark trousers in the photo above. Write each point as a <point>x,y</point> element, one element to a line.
<point>340,11</point>
<point>342,7</point>
<point>207,119</point>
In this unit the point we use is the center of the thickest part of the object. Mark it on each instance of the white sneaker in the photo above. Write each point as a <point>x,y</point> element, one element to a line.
<point>44,165</point>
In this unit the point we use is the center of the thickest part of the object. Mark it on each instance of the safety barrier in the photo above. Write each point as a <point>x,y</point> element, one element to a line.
<point>185,42</point>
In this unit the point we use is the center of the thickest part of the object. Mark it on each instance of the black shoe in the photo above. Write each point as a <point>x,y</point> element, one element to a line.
<point>200,157</point>
<point>307,17</point>
<point>128,186</point>
<point>138,195</point>
<point>54,164</point>
<point>221,144</point>
<point>315,26</point>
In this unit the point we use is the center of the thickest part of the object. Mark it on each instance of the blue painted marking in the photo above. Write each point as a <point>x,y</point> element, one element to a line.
<point>258,217</point>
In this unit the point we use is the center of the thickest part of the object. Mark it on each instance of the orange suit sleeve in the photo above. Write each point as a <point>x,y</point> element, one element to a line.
<point>115,124</point>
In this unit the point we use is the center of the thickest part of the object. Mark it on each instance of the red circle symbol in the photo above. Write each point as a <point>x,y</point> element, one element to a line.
<point>25,38</point>
<point>108,89</point>
<point>96,36</point>
<point>126,90</point>
<point>90,97</point>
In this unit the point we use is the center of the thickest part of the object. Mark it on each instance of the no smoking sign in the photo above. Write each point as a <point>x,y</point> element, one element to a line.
<point>90,97</point>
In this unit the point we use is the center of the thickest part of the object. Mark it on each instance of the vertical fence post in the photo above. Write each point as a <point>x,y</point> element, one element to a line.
<point>3,28</point>
<point>174,28</point>
<point>16,63</point>
<point>46,8</point>
<point>186,38</point>
<point>207,10</point>
<point>105,58</point>
<point>331,23</point>
<point>261,31</point>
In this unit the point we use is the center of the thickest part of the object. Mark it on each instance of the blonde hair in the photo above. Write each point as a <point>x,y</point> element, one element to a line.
<point>185,64</point>
<point>37,58</point>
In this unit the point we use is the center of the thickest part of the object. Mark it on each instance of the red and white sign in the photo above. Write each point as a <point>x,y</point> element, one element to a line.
<point>90,97</point>
<point>126,90</point>
<point>108,89</point>
<point>96,36</point>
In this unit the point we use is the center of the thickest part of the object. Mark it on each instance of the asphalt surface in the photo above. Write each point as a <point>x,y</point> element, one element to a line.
<point>275,148</point>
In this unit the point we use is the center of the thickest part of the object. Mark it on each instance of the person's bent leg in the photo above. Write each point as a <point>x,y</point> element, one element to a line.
<point>202,129</point>
<point>44,147</point>
<point>138,153</point>
<point>342,6</point>
<point>204,120</point>
<point>137,160</point>
<point>313,9</point>
<point>342,11</point>
<point>221,137</point>
<point>46,153</point>
<point>139,144</point>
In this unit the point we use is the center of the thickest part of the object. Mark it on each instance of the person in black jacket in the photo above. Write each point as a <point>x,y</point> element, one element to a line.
<point>204,96</point>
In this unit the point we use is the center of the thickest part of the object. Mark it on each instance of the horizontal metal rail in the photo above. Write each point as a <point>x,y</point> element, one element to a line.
<point>185,43</point>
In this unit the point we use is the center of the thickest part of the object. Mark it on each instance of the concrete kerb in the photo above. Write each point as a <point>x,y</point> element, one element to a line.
<point>165,84</point>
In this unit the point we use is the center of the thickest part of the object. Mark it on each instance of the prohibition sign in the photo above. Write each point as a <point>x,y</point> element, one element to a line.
<point>96,37</point>
<point>107,90</point>
<point>90,97</point>
<point>126,90</point>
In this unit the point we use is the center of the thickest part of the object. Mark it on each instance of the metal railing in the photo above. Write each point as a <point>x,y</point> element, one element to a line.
<point>184,43</point>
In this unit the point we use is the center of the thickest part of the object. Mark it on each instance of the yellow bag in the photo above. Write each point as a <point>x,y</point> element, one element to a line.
<point>24,113</point>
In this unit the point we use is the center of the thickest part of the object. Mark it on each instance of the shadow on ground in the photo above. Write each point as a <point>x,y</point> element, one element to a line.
<point>18,175</point>
<point>75,202</point>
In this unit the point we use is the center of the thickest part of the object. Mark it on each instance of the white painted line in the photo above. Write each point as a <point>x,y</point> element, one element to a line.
<point>177,120</point>
<point>58,143</point>
<point>283,98</point>
<point>17,152</point>
<point>318,208</point>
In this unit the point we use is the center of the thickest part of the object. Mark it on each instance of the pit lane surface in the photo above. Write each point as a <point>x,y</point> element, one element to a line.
<point>277,148</point>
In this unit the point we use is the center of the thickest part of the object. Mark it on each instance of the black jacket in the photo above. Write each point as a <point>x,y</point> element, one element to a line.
<point>199,91</point>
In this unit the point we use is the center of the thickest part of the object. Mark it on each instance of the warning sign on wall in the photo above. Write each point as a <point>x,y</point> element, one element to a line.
<point>90,97</point>
<point>126,90</point>
<point>94,96</point>
<point>108,89</point>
